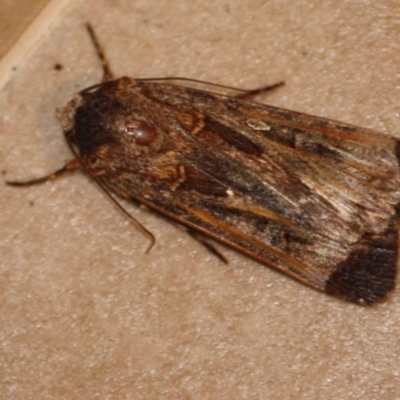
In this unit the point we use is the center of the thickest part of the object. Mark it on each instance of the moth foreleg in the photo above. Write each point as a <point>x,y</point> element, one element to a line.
<point>207,244</point>
<point>69,166</point>
<point>245,95</point>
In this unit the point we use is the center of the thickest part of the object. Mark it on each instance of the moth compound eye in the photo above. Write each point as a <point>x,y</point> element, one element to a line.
<point>143,133</point>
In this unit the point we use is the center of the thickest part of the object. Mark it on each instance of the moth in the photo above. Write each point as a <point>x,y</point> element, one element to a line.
<point>313,198</point>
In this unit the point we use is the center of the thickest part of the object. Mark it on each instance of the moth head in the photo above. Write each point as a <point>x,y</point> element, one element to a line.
<point>112,124</point>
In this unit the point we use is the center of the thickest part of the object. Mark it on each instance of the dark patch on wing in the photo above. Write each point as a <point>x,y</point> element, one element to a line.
<point>397,151</point>
<point>195,180</point>
<point>282,135</point>
<point>369,272</point>
<point>317,148</point>
<point>91,128</point>
<point>235,139</point>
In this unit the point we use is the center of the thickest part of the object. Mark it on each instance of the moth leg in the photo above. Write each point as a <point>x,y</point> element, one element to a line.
<point>69,166</point>
<point>208,245</point>
<point>254,92</point>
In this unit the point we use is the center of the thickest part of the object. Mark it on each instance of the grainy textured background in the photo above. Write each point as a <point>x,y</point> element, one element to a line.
<point>15,16</point>
<point>86,314</point>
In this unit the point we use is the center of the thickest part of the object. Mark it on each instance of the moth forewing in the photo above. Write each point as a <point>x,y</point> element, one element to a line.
<point>313,198</point>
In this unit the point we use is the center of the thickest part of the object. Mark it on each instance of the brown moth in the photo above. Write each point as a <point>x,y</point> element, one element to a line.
<point>313,198</point>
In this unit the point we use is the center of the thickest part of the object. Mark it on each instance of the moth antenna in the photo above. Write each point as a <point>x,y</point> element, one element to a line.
<point>242,95</point>
<point>107,74</point>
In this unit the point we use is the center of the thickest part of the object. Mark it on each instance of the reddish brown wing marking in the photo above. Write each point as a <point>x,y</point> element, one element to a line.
<point>313,198</point>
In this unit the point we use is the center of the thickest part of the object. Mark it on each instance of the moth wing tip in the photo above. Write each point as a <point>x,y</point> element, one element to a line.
<point>368,274</point>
